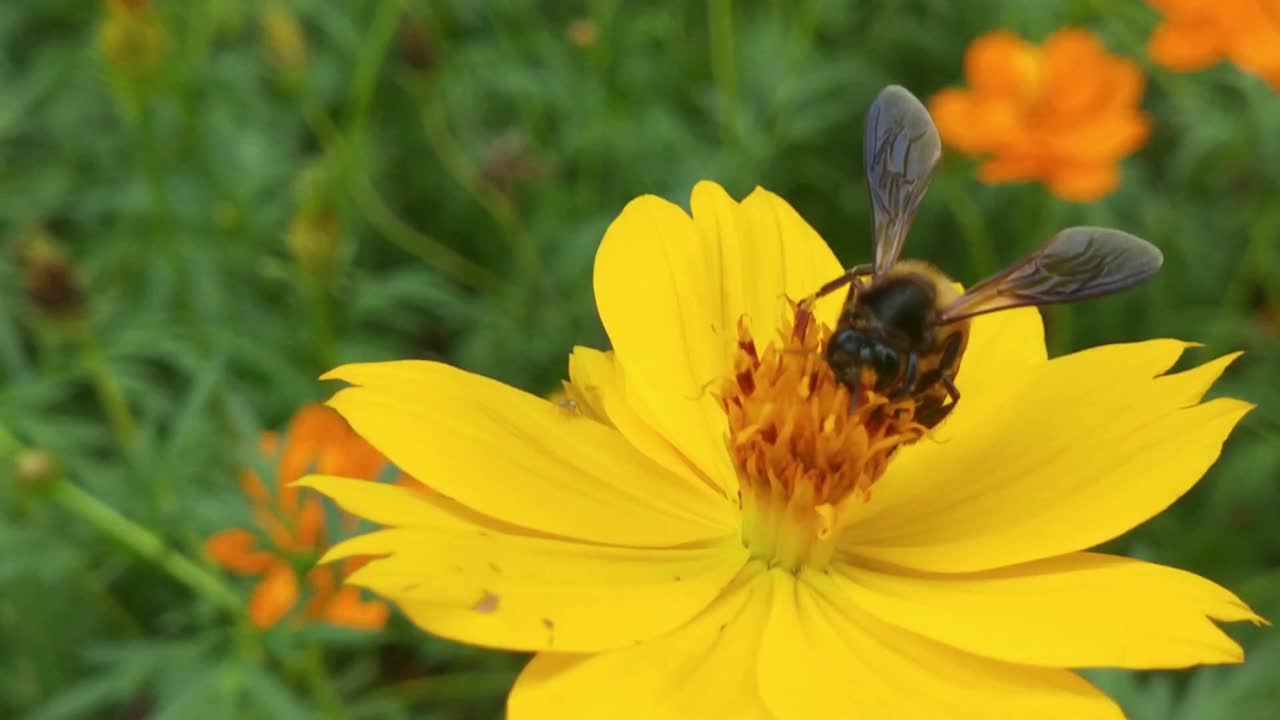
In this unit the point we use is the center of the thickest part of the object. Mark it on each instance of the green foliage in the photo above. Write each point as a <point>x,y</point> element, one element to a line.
<point>466,158</point>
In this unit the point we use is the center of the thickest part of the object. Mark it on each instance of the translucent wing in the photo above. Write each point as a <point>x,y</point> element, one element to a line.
<point>1076,264</point>
<point>900,152</point>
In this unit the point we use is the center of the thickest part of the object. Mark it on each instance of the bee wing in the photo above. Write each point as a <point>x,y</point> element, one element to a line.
<point>1076,264</point>
<point>900,153</point>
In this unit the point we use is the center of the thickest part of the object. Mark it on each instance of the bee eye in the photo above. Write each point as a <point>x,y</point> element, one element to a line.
<point>885,363</point>
<point>845,346</point>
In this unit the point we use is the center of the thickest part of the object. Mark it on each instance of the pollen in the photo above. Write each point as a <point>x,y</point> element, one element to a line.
<point>807,456</point>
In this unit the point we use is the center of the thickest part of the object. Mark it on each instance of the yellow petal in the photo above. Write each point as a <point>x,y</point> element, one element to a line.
<point>769,254</point>
<point>596,377</point>
<point>657,288</point>
<point>1003,348</point>
<point>531,593</point>
<point>522,459</point>
<point>823,657</point>
<point>400,505</point>
<point>1085,448</point>
<point>706,669</point>
<point>671,290</point>
<point>470,580</point>
<point>1078,610</point>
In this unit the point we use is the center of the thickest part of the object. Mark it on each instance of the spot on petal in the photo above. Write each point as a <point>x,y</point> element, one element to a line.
<point>487,603</point>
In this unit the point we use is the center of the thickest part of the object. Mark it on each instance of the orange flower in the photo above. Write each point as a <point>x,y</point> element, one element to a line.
<point>318,440</point>
<point>1195,34</point>
<point>1064,113</point>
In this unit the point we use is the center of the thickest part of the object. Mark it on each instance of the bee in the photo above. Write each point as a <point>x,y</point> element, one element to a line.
<point>904,326</point>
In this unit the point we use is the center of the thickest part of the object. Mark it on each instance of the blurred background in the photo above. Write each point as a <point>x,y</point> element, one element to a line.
<point>205,204</point>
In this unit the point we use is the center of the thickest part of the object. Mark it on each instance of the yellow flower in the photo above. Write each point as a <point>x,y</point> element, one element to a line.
<point>295,526</point>
<point>1064,113</point>
<point>582,32</point>
<point>132,37</point>
<point>285,42</point>
<point>314,237</point>
<point>1195,34</point>
<point>713,534</point>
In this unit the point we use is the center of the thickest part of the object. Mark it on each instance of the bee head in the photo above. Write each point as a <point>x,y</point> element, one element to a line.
<point>851,351</point>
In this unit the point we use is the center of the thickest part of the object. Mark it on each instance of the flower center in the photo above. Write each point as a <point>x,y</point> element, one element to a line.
<point>805,456</point>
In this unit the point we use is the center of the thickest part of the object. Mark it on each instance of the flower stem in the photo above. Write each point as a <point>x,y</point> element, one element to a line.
<point>317,290</point>
<point>723,67</point>
<point>145,543</point>
<point>317,679</point>
<point>977,238</point>
<point>110,396</point>
<point>379,214</point>
<point>436,127</point>
<point>9,446</point>
<point>1259,252</point>
<point>464,685</point>
<point>369,62</point>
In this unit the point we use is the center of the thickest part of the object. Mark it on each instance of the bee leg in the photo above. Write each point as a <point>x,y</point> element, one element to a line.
<point>941,374</point>
<point>910,375</point>
<point>804,311</point>
<point>931,414</point>
<point>852,275</point>
<point>954,392</point>
<point>950,353</point>
<point>855,394</point>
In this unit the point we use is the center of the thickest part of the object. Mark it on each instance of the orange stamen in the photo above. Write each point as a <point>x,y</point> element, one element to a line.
<point>803,456</point>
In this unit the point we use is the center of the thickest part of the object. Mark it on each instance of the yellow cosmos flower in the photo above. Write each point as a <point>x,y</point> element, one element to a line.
<point>707,531</point>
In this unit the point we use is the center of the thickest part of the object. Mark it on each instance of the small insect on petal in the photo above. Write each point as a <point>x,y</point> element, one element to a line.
<point>487,603</point>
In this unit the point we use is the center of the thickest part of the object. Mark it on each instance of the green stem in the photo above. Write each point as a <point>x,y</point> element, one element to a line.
<point>1258,253</point>
<point>317,679</point>
<point>110,396</point>
<point>194,62</point>
<point>369,62</point>
<point>145,544</point>
<point>1061,322</point>
<point>380,215</point>
<point>9,445</point>
<point>109,603</point>
<point>498,205</point>
<point>412,240</point>
<point>723,67</point>
<point>457,686</point>
<point>150,151</point>
<point>973,228</point>
<point>322,314</point>
<point>10,450</point>
<point>599,56</point>
<point>148,145</point>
